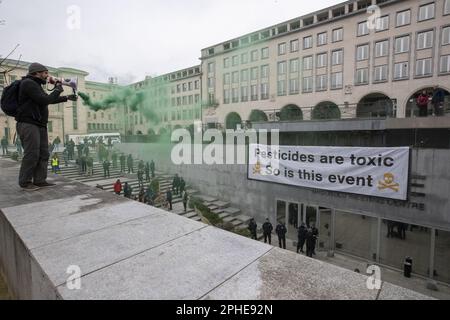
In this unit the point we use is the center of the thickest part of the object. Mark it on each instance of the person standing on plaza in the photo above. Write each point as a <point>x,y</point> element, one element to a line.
<point>185,198</point>
<point>122,162</point>
<point>66,157</point>
<point>90,166</point>
<point>169,198</point>
<point>281,232</point>
<point>19,146</point>
<point>176,184</point>
<point>267,230</point>
<point>114,159</point>
<point>130,163</point>
<point>147,172</point>
<point>252,226</point>
<point>71,147</point>
<point>152,168</point>
<point>182,185</point>
<point>301,237</point>
<point>55,163</point>
<point>106,165</point>
<point>140,176</point>
<point>118,187</point>
<point>310,243</point>
<point>4,143</point>
<point>127,190</point>
<point>83,164</point>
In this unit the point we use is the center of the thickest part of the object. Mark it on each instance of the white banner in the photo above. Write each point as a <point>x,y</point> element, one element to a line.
<point>378,172</point>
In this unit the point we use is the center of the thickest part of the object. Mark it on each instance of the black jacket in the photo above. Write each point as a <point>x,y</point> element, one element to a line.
<point>267,227</point>
<point>33,101</point>
<point>281,230</point>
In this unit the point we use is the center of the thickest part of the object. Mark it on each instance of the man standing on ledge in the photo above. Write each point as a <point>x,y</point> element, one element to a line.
<point>32,119</point>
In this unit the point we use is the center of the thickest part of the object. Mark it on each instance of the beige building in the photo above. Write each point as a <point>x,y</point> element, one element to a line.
<point>350,60</point>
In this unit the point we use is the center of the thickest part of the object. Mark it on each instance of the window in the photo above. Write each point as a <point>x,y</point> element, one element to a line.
<point>294,86</point>
<point>363,28</point>
<point>197,84</point>
<point>293,66</point>
<point>321,83</point>
<point>424,67</point>
<point>445,64</point>
<point>264,53</point>
<point>254,55</point>
<point>226,96</point>
<point>265,72</point>
<point>226,62</point>
<point>362,76</point>
<point>281,87</point>
<point>322,39</point>
<point>254,92</point>
<point>178,88</point>
<point>226,78</point>
<point>294,45</point>
<point>281,67</point>
<point>308,63</point>
<point>307,84</point>
<point>362,52</point>
<point>244,58</point>
<point>447,7</point>
<point>402,44</point>
<point>337,57</point>
<point>264,91</point>
<point>235,95</point>
<point>211,67</point>
<point>184,87</point>
<point>244,94</point>
<point>382,23</point>
<point>307,42</point>
<point>210,82</point>
<point>401,70</point>
<point>282,48</point>
<point>235,77</point>
<point>446,36</point>
<point>403,18</point>
<point>424,40</point>
<point>197,98</point>
<point>380,73</point>
<point>322,60</point>
<point>338,35</point>
<point>179,101</point>
<point>190,86</point>
<point>185,100</point>
<point>244,75</point>
<point>254,73</point>
<point>337,80</point>
<point>382,49</point>
<point>235,61</point>
<point>426,12</point>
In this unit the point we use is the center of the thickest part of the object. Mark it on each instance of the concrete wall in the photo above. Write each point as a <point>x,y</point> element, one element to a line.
<point>429,167</point>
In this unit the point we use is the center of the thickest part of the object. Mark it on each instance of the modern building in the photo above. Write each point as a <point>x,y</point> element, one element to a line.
<point>351,60</point>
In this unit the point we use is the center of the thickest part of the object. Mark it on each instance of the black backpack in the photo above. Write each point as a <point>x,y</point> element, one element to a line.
<point>10,99</point>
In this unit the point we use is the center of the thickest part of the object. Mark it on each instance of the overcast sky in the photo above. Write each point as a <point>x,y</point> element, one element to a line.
<point>130,39</point>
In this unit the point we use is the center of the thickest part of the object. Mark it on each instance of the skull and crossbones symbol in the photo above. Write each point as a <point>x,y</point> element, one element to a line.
<point>388,183</point>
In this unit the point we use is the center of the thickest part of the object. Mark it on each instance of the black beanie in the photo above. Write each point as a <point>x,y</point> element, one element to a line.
<point>36,67</point>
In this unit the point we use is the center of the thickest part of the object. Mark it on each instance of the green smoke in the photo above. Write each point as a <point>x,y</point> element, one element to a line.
<point>149,100</point>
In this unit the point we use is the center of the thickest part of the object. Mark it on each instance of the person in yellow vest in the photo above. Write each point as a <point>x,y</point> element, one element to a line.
<point>55,163</point>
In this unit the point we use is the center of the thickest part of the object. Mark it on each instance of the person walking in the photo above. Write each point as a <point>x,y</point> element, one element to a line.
<point>176,184</point>
<point>182,185</point>
<point>19,146</point>
<point>185,200</point>
<point>118,187</point>
<point>169,198</point>
<point>310,243</point>
<point>267,230</point>
<point>140,176</point>
<point>281,232</point>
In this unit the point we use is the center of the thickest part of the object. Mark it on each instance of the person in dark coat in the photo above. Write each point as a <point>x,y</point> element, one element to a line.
<point>301,235</point>
<point>152,168</point>
<point>176,184</point>
<point>122,162</point>
<point>169,198</point>
<point>310,243</point>
<point>315,232</point>
<point>106,165</point>
<point>252,226</point>
<point>114,159</point>
<point>140,176</point>
<point>185,200</point>
<point>281,232</point>
<point>182,185</point>
<point>127,190</point>
<point>147,172</point>
<point>267,230</point>
<point>32,119</point>
<point>130,164</point>
<point>438,101</point>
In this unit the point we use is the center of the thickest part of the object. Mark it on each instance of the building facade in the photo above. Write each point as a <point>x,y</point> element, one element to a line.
<point>339,62</point>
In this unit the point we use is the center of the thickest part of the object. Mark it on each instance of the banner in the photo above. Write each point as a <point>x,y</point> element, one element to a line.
<point>378,172</point>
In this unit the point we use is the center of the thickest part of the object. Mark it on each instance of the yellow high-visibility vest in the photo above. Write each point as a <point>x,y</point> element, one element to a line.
<point>55,162</point>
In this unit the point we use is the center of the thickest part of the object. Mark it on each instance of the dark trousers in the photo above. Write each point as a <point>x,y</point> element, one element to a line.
<point>267,235</point>
<point>35,144</point>
<point>5,150</point>
<point>300,245</point>
<point>122,167</point>
<point>153,174</point>
<point>185,206</point>
<point>170,204</point>
<point>254,236</point>
<point>282,242</point>
<point>106,173</point>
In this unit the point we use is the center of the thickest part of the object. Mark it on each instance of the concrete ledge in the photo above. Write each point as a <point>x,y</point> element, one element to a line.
<point>127,250</point>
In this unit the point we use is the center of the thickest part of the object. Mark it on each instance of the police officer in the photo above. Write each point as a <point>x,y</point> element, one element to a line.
<point>267,230</point>
<point>281,232</point>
